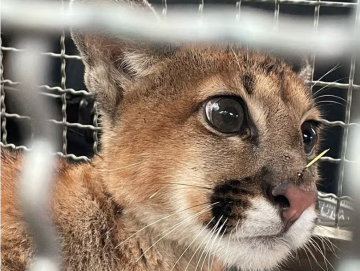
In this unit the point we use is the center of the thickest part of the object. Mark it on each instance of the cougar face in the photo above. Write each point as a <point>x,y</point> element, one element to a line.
<point>209,142</point>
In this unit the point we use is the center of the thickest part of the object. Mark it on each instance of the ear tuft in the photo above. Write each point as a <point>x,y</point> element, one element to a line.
<point>301,66</point>
<point>112,64</point>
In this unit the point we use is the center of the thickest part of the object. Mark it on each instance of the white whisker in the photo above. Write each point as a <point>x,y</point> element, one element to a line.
<point>119,168</point>
<point>237,233</point>
<point>213,242</point>
<point>207,243</point>
<point>334,96</point>
<point>174,228</point>
<point>192,243</point>
<point>237,59</point>
<point>315,260</point>
<point>305,250</point>
<point>326,261</point>
<point>324,87</point>
<point>187,266</point>
<point>329,242</point>
<point>166,217</point>
<point>217,248</point>
<point>331,102</point>
<point>337,66</point>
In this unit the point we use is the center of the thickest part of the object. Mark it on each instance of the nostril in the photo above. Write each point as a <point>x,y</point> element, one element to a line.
<point>279,200</point>
<point>282,201</point>
<point>292,200</point>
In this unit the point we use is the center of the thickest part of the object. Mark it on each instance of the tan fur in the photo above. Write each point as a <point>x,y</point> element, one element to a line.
<point>151,102</point>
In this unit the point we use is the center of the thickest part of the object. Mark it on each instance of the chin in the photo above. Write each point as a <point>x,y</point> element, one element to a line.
<point>259,243</point>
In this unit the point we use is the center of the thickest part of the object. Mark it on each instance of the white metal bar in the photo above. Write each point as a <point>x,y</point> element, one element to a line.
<point>309,3</point>
<point>63,86</point>
<point>349,96</point>
<point>12,49</point>
<point>36,176</point>
<point>3,107</point>
<point>24,148</point>
<point>40,16</point>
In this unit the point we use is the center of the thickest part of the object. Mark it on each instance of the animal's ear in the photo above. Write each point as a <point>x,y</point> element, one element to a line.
<point>113,64</point>
<point>299,63</point>
<point>301,66</point>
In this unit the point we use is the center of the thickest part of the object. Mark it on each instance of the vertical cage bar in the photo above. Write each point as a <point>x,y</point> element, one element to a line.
<point>201,9</point>
<point>238,11</point>
<point>349,97</point>
<point>315,30</point>
<point>95,132</point>
<point>63,86</point>
<point>3,108</point>
<point>164,9</point>
<point>276,15</point>
<point>35,180</point>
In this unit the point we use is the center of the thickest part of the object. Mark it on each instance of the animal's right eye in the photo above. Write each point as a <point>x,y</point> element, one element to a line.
<point>225,114</point>
<point>310,137</point>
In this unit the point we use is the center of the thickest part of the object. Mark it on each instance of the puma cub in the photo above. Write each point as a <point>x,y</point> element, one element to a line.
<point>202,164</point>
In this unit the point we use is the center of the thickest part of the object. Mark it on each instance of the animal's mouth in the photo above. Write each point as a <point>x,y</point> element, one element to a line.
<point>266,237</point>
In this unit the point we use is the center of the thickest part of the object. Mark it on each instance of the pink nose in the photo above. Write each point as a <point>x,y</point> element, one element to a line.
<point>298,201</point>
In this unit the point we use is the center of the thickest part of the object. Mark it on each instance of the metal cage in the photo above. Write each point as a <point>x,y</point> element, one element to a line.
<point>335,208</point>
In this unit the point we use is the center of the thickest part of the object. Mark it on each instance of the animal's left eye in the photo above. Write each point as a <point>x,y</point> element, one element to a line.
<point>310,137</point>
<point>225,114</point>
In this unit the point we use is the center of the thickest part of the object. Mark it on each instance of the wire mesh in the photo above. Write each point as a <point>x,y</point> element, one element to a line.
<point>62,92</point>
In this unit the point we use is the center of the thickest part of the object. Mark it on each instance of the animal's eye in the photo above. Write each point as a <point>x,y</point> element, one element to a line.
<point>225,114</point>
<point>310,137</point>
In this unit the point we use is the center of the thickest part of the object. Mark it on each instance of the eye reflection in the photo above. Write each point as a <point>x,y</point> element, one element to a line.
<point>309,136</point>
<point>225,114</point>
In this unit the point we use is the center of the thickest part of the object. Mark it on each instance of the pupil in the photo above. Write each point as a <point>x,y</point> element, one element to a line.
<point>307,136</point>
<point>229,115</point>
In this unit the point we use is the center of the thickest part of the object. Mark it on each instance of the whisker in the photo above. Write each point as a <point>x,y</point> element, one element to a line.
<point>174,228</point>
<point>237,233</point>
<point>297,255</point>
<point>337,66</point>
<point>153,195</point>
<point>181,184</point>
<point>170,183</point>
<point>217,248</point>
<point>172,189</point>
<point>119,168</point>
<point>327,239</point>
<point>324,87</point>
<point>315,260</point>
<point>334,96</point>
<point>206,246</point>
<point>322,252</point>
<point>152,223</point>
<point>229,239</point>
<point>192,243</point>
<point>188,185</point>
<point>328,244</point>
<point>311,241</point>
<point>292,257</point>
<point>237,59</point>
<point>324,244</point>
<point>210,249</point>
<point>332,246</point>
<point>187,266</point>
<point>305,250</point>
<point>187,219</point>
<point>322,102</point>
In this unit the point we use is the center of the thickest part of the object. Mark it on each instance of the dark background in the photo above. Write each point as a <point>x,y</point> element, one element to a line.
<point>79,109</point>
